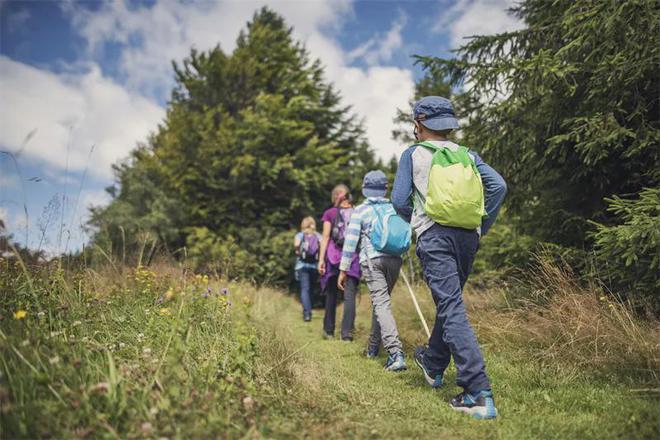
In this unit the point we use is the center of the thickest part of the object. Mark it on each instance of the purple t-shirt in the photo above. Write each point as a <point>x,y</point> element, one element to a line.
<point>333,252</point>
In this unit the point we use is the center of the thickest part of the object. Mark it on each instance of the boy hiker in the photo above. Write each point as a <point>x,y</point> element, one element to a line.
<point>440,187</point>
<point>382,236</point>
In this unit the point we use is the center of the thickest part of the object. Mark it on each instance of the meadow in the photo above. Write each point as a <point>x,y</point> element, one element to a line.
<point>161,352</point>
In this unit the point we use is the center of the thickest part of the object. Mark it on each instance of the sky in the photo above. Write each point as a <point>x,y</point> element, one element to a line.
<point>83,83</point>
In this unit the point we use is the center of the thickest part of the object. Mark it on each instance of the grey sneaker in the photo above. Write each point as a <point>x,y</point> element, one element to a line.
<point>396,362</point>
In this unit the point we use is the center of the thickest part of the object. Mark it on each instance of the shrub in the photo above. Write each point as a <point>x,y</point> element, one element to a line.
<point>627,253</point>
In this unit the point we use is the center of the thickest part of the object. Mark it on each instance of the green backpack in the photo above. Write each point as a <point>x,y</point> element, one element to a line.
<point>455,194</point>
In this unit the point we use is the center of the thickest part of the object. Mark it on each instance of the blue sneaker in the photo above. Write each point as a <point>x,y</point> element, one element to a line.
<point>435,380</point>
<point>396,362</point>
<point>481,406</point>
<point>371,352</point>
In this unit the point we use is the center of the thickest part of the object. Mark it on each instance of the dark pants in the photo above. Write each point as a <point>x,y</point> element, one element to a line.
<point>306,277</point>
<point>447,255</point>
<point>348,320</point>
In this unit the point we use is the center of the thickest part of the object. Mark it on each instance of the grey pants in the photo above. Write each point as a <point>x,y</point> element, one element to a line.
<point>380,275</point>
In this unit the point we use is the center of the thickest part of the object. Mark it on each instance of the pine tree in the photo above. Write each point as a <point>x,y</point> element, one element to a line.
<point>567,109</point>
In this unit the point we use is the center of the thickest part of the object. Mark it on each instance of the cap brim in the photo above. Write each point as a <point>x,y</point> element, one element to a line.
<point>446,123</point>
<point>370,192</point>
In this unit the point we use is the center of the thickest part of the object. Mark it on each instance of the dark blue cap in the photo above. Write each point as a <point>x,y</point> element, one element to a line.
<point>374,184</point>
<point>435,112</point>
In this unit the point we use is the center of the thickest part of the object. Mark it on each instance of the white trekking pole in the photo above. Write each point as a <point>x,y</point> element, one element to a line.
<point>419,311</point>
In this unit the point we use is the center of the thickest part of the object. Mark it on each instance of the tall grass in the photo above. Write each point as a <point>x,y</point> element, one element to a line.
<point>86,354</point>
<point>559,320</point>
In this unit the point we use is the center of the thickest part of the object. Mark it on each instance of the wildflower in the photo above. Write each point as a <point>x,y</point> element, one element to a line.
<point>602,298</point>
<point>164,312</point>
<point>54,360</point>
<point>224,291</point>
<point>122,345</point>
<point>101,387</point>
<point>140,336</point>
<point>169,294</point>
<point>25,343</point>
<point>610,305</point>
<point>55,334</point>
<point>248,403</point>
<point>41,315</point>
<point>20,314</point>
<point>146,351</point>
<point>76,323</point>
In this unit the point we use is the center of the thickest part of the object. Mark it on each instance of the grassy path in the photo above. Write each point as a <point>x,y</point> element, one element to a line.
<point>326,389</point>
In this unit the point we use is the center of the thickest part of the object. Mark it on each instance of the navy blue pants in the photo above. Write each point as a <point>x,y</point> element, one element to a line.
<point>447,255</point>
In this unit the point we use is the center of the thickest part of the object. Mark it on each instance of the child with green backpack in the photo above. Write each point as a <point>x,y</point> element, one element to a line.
<point>382,237</point>
<point>452,197</point>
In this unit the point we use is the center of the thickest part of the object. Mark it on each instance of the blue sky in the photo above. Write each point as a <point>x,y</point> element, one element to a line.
<point>81,83</point>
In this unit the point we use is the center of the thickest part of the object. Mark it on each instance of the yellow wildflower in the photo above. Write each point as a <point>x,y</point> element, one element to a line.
<point>164,312</point>
<point>169,294</point>
<point>20,314</point>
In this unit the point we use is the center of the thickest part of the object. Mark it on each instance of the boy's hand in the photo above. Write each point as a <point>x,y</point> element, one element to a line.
<point>321,267</point>
<point>341,280</point>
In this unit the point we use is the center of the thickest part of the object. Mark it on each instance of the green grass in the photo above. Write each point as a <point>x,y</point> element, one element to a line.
<point>330,391</point>
<point>116,356</point>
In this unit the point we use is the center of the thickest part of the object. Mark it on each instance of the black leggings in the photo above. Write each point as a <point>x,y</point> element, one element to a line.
<point>348,320</point>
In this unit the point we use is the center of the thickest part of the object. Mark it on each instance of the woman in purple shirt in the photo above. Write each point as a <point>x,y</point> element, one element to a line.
<point>330,256</point>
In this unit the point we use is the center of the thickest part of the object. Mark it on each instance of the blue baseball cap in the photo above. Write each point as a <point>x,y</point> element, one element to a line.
<point>435,113</point>
<point>374,184</point>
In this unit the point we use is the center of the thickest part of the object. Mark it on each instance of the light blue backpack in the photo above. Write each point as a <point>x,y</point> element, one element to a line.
<point>389,234</point>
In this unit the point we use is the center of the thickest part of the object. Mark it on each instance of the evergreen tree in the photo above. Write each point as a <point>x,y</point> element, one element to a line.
<point>567,109</point>
<point>252,142</point>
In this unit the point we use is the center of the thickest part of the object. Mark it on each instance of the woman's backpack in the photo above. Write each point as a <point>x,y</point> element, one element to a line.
<point>389,233</point>
<point>309,248</point>
<point>339,225</point>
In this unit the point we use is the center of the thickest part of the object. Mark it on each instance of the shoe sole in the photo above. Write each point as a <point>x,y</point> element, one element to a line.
<point>428,378</point>
<point>478,412</point>
<point>397,369</point>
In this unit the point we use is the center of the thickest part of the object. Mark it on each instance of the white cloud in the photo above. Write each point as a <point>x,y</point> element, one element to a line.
<point>467,18</point>
<point>71,112</point>
<point>153,36</point>
<point>380,48</point>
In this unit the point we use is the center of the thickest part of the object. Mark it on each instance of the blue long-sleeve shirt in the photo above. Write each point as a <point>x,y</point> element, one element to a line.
<point>411,184</point>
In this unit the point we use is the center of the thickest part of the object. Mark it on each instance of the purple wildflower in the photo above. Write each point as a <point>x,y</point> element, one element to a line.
<point>224,291</point>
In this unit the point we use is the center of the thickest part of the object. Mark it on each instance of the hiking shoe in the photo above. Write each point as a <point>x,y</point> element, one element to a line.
<point>307,318</point>
<point>481,406</point>
<point>435,380</point>
<point>347,339</point>
<point>396,362</point>
<point>371,352</point>
<point>327,335</point>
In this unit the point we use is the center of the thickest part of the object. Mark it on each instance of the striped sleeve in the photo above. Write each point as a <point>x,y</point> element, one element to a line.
<point>351,238</point>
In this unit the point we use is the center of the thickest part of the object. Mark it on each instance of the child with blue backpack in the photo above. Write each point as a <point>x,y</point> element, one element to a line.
<point>382,237</point>
<point>307,246</point>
